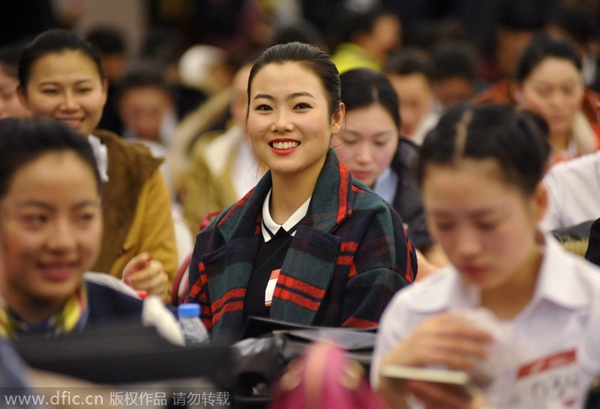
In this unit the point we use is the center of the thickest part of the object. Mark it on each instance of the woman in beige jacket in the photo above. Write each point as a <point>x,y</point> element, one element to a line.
<point>61,78</point>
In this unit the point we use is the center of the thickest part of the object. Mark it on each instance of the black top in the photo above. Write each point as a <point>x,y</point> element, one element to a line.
<point>593,251</point>
<point>408,201</point>
<point>270,257</point>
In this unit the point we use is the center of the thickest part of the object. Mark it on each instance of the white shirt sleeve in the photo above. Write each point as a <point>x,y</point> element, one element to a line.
<point>391,332</point>
<point>551,219</point>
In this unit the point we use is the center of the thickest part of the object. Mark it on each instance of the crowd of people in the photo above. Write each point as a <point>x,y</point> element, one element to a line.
<point>320,178</point>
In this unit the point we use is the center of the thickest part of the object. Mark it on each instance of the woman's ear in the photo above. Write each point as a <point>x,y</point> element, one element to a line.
<point>337,119</point>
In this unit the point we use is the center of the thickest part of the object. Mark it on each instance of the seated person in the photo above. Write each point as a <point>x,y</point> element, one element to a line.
<point>308,245</point>
<point>367,39</point>
<point>369,144</point>
<point>61,78</point>
<point>410,72</point>
<point>518,25</point>
<point>577,23</point>
<point>548,80</point>
<point>50,235</point>
<point>144,102</point>
<point>515,25</point>
<point>494,313</point>
<point>456,74</point>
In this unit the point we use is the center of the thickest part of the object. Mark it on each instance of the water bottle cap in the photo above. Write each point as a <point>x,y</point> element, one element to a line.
<point>188,310</point>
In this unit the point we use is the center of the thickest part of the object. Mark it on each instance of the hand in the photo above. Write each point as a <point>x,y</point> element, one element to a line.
<point>144,273</point>
<point>443,340</point>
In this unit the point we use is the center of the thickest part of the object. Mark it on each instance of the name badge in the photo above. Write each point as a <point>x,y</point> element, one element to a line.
<point>271,287</point>
<point>550,382</point>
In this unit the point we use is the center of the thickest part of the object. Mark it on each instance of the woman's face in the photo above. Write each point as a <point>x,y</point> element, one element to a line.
<point>485,226</point>
<point>67,86</point>
<point>289,123</point>
<point>50,230</point>
<point>367,142</point>
<point>10,104</point>
<point>554,89</point>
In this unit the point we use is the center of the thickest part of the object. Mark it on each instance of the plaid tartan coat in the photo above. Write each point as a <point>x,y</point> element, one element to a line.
<point>349,256</point>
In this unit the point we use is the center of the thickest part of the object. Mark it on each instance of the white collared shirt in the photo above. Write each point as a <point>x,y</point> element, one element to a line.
<point>101,154</point>
<point>556,336</point>
<point>269,223</point>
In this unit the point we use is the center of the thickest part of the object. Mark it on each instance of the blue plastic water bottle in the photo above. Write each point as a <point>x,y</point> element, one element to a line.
<point>194,331</point>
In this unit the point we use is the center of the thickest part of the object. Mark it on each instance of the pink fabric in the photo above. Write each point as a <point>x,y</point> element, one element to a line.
<point>324,377</point>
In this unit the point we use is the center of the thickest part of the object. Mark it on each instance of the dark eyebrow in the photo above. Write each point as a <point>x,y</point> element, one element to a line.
<point>264,96</point>
<point>374,135</point>
<point>35,203</point>
<point>79,82</point>
<point>475,213</point>
<point>294,95</point>
<point>301,94</point>
<point>43,205</point>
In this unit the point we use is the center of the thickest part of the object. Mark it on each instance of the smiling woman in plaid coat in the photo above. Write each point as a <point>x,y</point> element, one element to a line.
<point>307,245</point>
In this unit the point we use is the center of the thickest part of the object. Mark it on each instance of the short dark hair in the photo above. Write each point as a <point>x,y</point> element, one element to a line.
<point>544,46</point>
<point>107,40</point>
<point>312,58</point>
<point>23,140</point>
<point>576,20</point>
<point>50,42</point>
<point>9,58</point>
<point>298,31</point>
<point>361,22</point>
<point>519,15</point>
<point>362,87</point>
<point>455,59</point>
<point>143,75</point>
<point>501,132</point>
<point>407,61</point>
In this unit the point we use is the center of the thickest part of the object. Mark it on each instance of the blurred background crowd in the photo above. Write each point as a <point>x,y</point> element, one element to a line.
<point>172,64</point>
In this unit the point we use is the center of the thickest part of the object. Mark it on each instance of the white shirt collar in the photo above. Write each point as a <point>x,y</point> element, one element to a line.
<point>101,154</point>
<point>269,223</point>
<point>557,281</point>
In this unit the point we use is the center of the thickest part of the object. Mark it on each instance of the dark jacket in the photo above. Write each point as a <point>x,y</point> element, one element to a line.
<point>407,199</point>
<point>349,256</point>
